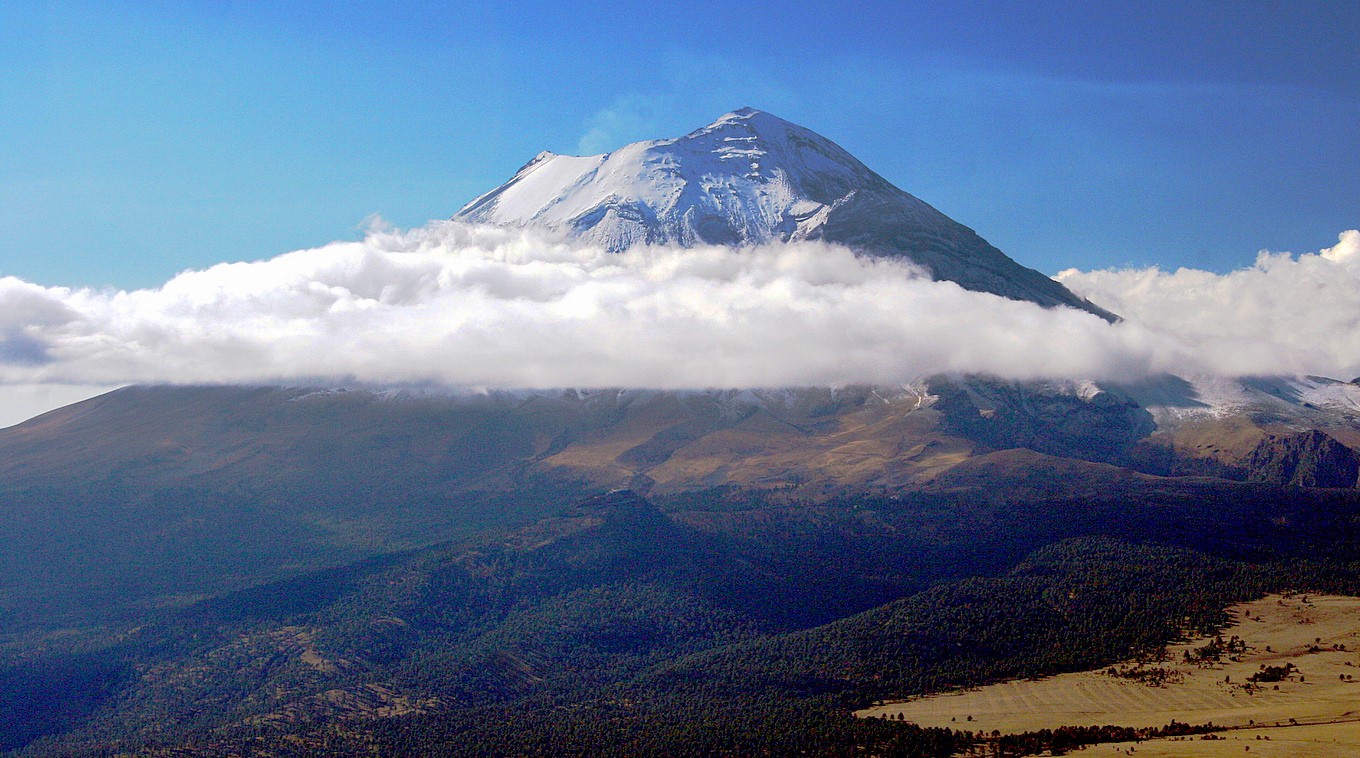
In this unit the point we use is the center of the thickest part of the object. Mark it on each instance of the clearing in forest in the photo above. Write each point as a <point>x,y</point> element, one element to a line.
<point>1288,662</point>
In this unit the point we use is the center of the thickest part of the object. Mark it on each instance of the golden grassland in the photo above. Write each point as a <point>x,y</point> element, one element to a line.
<point>1313,709</point>
<point>888,442</point>
<point>1339,740</point>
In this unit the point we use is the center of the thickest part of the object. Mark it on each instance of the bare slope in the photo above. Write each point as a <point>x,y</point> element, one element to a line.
<point>260,483</point>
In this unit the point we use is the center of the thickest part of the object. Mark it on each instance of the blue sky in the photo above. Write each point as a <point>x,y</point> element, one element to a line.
<point>160,136</point>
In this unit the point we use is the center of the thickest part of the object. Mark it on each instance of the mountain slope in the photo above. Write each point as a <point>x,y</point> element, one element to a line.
<point>746,179</point>
<point>613,620</point>
<point>155,496</point>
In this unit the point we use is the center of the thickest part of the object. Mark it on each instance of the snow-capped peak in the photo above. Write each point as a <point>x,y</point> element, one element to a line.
<point>749,178</point>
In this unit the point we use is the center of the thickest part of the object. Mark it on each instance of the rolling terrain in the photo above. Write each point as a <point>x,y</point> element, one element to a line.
<point>386,572</point>
<point>331,569</point>
<point>105,498</point>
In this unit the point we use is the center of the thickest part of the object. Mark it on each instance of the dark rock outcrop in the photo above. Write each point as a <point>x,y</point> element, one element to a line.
<point>1307,459</point>
<point>1004,415</point>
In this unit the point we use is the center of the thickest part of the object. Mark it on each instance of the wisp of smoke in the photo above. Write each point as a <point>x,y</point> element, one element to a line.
<point>473,306</point>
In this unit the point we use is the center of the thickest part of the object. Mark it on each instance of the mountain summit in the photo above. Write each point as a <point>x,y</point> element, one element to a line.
<point>746,179</point>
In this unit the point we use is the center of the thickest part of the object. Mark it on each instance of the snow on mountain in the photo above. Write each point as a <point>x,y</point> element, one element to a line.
<point>750,178</point>
<point>1293,402</point>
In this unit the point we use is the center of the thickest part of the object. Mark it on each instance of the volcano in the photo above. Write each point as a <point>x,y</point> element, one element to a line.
<point>752,178</point>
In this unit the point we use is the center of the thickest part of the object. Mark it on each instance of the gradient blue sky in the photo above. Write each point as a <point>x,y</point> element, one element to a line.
<point>142,140</point>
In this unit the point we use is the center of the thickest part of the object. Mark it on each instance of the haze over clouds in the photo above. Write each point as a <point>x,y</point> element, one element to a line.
<point>473,306</point>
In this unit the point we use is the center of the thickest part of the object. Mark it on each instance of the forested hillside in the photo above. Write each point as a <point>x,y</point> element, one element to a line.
<point>719,622</point>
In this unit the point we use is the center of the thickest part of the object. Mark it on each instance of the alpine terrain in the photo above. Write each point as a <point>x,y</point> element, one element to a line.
<point>746,179</point>
<point>377,571</point>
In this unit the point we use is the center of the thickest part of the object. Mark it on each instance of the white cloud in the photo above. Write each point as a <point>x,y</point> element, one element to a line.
<point>478,306</point>
<point>474,306</point>
<point>1284,315</point>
